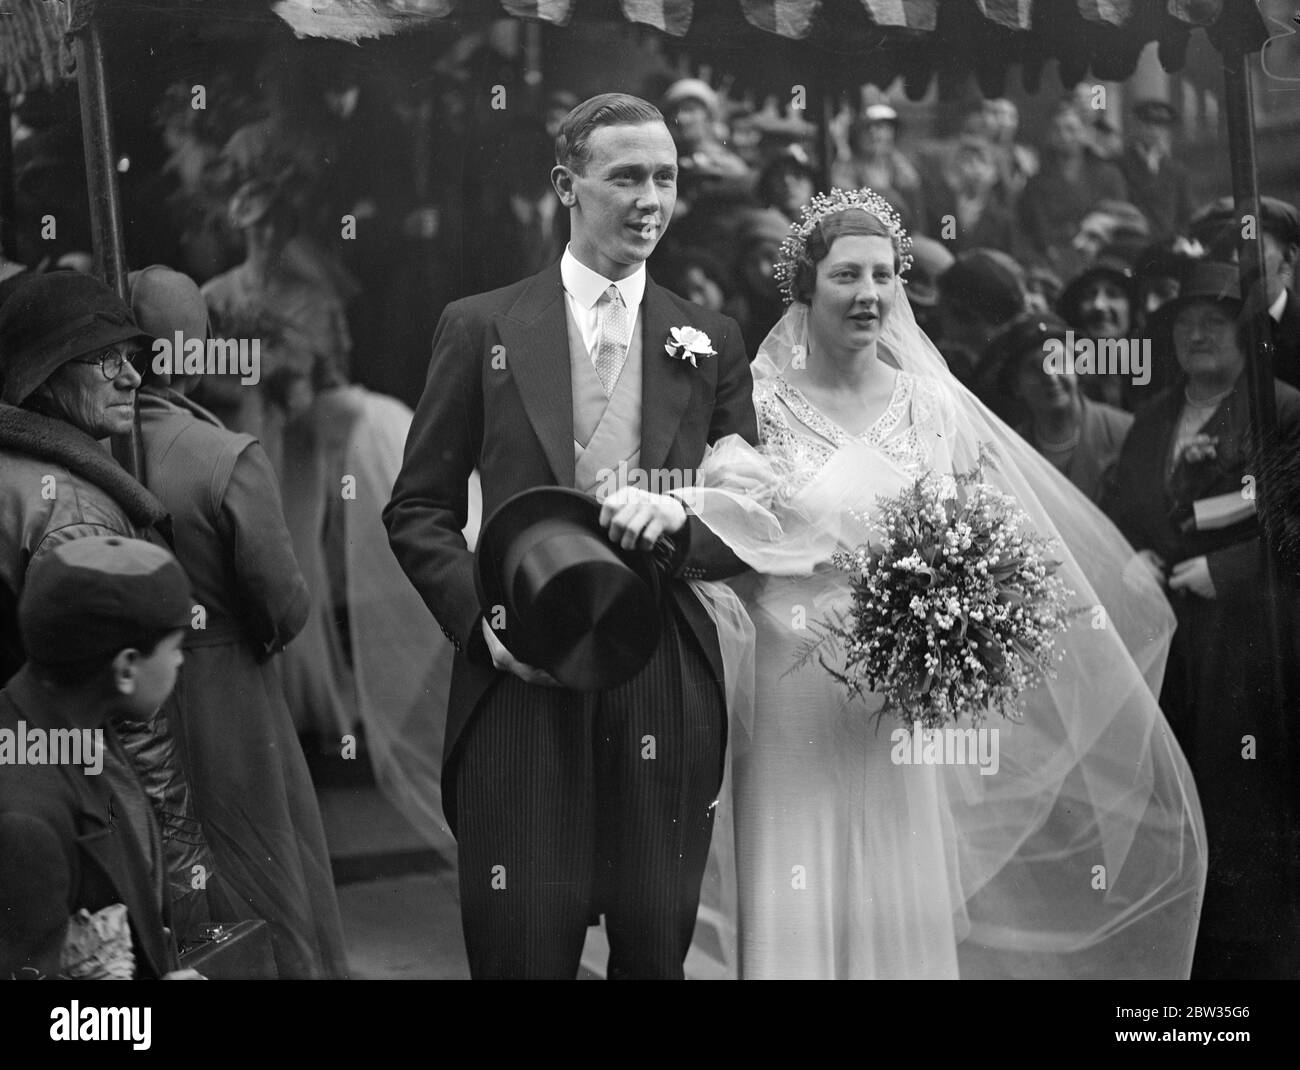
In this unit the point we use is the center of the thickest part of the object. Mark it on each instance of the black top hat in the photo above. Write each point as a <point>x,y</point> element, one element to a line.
<point>575,604</point>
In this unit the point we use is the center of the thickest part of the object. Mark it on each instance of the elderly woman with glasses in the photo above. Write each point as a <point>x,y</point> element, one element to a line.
<point>67,384</point>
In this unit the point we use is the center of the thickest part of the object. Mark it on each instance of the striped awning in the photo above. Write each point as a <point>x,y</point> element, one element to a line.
<point>357,19</point>
<point>764,43</point>
<point>851,41</point>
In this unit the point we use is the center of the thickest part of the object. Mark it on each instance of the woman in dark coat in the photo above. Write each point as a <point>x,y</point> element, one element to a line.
<point>65,385</point>
<point>1183,496</point>
<point>255,796</point>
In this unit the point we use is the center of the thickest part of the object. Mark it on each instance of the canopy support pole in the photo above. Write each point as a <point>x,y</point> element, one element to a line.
<point>101,182</point>
<point>1257,336</point>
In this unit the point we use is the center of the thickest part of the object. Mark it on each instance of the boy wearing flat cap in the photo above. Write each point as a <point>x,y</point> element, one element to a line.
<point>82,892</point>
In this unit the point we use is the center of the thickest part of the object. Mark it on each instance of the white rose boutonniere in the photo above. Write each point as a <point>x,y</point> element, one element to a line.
<point>686,343</point>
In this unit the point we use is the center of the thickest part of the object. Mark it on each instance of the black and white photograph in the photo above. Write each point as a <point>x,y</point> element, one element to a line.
<point>651,490</point>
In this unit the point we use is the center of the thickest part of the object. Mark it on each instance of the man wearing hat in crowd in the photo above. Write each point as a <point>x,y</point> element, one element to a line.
<point>876,161</point>
<point>1072,179</point>
<point>963,208</point>
<point>1178,498</point>
<point>82,888</point>
<point>1218,227</point>
<point>573,377</point>
<point>1080,437</point>
<point>1157,183</point>
<point>230,536</point>
<point>1101,305</point>
<point>1017,163</point>
<point>68,382</point>
<point>1116,224</point>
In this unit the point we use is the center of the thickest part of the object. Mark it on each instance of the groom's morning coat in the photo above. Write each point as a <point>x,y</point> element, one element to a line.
<point>499,397</point>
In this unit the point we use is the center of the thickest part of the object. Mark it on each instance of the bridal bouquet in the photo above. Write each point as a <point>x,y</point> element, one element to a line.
<point>956,604</point>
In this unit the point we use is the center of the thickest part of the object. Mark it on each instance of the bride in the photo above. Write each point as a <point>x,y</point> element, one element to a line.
<point>1079,852</point>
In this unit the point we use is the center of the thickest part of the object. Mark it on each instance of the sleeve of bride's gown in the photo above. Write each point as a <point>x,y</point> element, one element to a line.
<point>702,555</point>
<point>742,500</point>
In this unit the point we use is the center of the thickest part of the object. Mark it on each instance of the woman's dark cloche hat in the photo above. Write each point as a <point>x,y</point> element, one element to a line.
<point>1110,264</point>
<point>1027,331</point>
<point>52,319</point>
<point>576,605</point>
<point>1207,280</point>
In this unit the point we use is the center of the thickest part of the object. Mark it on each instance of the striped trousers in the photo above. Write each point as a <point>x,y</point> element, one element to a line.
<point>573,805</point>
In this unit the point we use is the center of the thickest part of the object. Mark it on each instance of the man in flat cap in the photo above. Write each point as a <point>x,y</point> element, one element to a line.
<point>1157,183</point>
<point>1219,227</point>
<point>82,888</point>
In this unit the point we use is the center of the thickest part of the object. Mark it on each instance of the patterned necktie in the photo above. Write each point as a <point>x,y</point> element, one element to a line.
<point>611,339</point>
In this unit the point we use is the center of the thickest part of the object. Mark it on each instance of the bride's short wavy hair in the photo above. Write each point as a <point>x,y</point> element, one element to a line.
<point>856,221</point>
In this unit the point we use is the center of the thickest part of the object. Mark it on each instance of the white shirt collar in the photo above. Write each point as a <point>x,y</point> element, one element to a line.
<point>586,286</point>
<point>1274,310</point>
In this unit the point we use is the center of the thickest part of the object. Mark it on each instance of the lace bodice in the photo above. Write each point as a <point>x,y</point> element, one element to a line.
<point>793,430</point>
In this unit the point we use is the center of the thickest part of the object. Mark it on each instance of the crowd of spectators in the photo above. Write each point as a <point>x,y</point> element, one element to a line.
<point>315,224</point>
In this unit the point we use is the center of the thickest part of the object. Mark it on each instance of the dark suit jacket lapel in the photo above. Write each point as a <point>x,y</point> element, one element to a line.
<point>665,381</point>
<point>123,862</point>
<point>536,336</point>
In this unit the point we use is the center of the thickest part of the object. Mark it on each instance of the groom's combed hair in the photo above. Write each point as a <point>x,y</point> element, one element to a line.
<point>607,109</point>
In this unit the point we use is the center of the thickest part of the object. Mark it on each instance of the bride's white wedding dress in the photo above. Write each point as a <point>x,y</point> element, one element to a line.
<point>842,857</point>
<point>1082,855</point>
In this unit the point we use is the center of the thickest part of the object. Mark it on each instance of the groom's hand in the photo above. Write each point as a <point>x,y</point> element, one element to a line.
<point>636,518</point>
<point>507,662</point>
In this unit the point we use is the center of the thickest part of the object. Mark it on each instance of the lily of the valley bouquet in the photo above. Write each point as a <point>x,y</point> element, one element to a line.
<point>956,604</point>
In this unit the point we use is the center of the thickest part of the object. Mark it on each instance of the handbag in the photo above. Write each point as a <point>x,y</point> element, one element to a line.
<point>231,951</point>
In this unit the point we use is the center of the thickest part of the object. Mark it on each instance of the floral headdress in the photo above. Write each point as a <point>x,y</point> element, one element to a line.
<point>826,204</point>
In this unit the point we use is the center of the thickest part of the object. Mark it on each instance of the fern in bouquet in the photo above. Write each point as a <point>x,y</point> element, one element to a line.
<point>956,604</point>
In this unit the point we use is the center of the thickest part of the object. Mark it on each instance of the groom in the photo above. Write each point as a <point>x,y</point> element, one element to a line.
<point>568,805</point>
